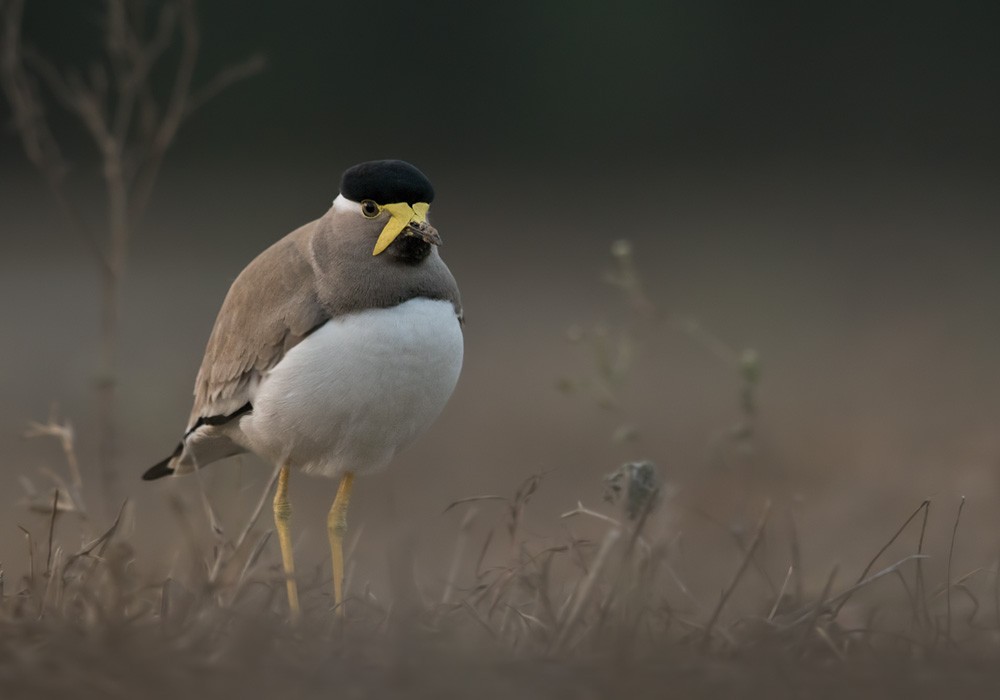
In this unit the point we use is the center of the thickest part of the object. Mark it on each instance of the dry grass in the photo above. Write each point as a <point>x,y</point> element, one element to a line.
<point>588,616</point>
<point>604,610</point>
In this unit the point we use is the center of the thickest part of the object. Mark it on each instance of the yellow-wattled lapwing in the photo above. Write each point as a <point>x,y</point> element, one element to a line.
<point>334,348</point>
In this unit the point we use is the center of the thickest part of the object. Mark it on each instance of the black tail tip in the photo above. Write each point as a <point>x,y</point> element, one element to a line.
<point>161,469</point>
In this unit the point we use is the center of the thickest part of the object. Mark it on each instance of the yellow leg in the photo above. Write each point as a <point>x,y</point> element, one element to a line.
<point>336,526</point>
<point>282,517</point>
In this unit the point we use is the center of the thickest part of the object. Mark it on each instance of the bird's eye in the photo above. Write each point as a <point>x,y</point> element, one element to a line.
<point>370,209</point>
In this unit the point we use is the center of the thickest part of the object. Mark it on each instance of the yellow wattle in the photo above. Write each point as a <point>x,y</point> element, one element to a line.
<point>401,215</point>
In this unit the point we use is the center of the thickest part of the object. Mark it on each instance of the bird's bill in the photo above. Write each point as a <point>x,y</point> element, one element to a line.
<point>424,231</point>
<point>404,218</point>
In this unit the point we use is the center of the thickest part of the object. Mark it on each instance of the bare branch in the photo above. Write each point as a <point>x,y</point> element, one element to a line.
<point>165,25</point>
<point>135,65</point>
<point>223,79</point>
<point>88,106</point>
<point>179,95</point>
<point>26,108</point>
<point>174,112</point>
<point>116,34</point>
<point>99,80</point>
<point>58,85</point>
<point>131,129</point>
<point>39,143</point>
<point>122,47</point>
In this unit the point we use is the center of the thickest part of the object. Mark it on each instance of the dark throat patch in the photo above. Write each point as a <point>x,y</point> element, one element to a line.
<point>409,250</point>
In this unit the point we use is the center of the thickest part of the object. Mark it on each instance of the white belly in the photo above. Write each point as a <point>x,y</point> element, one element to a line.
<point>358,389</point>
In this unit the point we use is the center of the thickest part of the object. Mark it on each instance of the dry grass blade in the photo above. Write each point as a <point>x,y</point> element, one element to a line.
<point>516,507</point>
<point>31,555</point>
<point>526,618</point>
<point>479,618</point>
<point>63,432</point>
<point>921,585</point>
<point>923,506</point>
<point>825,636</point>
<point>251,561</point>
<point>951,554</point>
<point>100,541</point>
<point>910,595</point>
<point>473,499</point>
<point>781,593</point>
<point>996,595</point>
<point>626,565</point>
<point>52,529</point>
<point>813,617</point>
<point>480,572</point>
<point>971,618</point>
<point>796,554</point>
<point>206,504</point>
<point>254,516</point>
<point>841,598</point>
<point>586,587</point>
<point>706,639</point>
<point>52,594</point>
<point>679,582</point>
<point>461,544</point>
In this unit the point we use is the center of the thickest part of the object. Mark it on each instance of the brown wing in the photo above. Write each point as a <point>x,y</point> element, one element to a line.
<point>270,308</point>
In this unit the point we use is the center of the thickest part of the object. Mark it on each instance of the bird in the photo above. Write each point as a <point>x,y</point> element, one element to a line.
<point>333,350</point>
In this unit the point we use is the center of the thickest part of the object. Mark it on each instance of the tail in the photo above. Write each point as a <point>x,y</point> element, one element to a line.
<point>164,468</point>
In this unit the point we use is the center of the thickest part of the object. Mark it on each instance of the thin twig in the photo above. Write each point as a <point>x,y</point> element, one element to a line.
<point>39,142</point>
<point>583,510</point>
<point>230,75</point>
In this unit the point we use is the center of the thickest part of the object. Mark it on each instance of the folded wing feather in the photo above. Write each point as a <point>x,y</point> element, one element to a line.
<point>271,307</point>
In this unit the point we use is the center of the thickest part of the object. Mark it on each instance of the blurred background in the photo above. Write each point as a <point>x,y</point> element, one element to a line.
<point>817,182</point>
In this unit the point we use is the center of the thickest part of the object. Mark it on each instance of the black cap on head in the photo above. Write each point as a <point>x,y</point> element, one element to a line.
<point>386,182</point>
